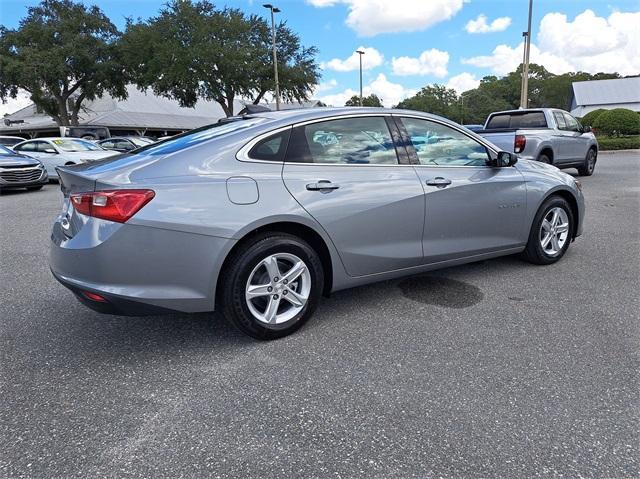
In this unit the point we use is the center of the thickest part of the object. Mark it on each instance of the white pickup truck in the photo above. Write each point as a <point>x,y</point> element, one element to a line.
<point>544,134</point>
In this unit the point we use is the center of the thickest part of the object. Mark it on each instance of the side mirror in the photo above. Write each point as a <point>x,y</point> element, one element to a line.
<point>586,129</point>
<point>505,159</point>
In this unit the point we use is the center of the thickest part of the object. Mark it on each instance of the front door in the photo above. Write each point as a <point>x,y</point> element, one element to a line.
<point>346,173</point>
<point>471,208</point>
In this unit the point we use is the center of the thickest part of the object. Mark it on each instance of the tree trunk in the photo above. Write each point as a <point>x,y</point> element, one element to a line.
<point>259,97</point>
<point>63,115</point>
<point>76,109</point>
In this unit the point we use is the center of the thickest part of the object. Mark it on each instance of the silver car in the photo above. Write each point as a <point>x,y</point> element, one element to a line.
<point>259,216</point>
<point>59,151</point>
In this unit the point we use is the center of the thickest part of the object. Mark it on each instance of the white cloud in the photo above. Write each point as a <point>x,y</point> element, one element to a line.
<point>371,17</point>
<point>589,43</point>
<point>430,62</point>
<point>14,104</point>
<point>480,25</point>
<point>463,82</point>
<point>389,93</point>
<point>371,59</point>
<point>325,86</point>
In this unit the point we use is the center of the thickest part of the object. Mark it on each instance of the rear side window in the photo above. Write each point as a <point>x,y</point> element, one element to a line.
<point>351,141</point>
<point>271,148</point>
<point>560,120</point>
<point>529,119</point>
<point>31,146</point>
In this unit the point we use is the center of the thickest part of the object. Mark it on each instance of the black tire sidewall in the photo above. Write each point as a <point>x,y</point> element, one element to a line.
<point>534,249</point>
<point>584,170</point>
<point>545,159</point>
<point>235,306</point>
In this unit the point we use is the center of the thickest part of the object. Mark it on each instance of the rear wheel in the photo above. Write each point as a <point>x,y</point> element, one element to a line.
<point>272,285</point>
<point>589,164</point>
<point>551,232</point>
<point>544,158</point>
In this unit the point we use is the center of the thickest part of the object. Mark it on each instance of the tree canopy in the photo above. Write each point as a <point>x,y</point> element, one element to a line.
<point>62,53</point>
<point>371,100</point>
<point>192,51</point>
<point>494,94</point>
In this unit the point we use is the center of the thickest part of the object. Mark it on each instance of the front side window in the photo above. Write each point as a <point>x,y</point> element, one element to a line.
<point>440,145</point>
<point>572,123</point>
<point>351,141</point>
<point>44,147</point>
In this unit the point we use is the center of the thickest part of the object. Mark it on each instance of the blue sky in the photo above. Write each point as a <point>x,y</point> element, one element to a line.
<point>411,43</point>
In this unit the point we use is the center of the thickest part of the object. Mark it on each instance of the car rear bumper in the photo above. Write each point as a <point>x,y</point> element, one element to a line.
<point>138,270</point>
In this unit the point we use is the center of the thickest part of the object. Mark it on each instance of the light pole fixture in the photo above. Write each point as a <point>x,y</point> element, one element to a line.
<point>275,55</point>
<point>524,91</point>
<point>360,52</point>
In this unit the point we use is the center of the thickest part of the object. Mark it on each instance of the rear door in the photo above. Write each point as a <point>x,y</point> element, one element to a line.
<point>471,208</point>
<point>347,174</point>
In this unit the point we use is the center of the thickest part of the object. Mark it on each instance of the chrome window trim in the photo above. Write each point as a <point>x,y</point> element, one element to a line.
<point>243,153</point>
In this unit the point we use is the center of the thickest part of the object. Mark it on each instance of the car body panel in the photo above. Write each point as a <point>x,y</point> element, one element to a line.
<point>171,252</point>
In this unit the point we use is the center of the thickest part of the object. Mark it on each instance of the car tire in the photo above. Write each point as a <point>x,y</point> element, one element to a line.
<point>34,188</point>
<point>589,164</point>
<point>544,158</point>
<point>541,247</point>
<point>271,314</point>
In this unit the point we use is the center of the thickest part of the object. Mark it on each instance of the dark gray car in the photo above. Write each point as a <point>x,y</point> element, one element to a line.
<point>20,171</point>
<point>261,215</point>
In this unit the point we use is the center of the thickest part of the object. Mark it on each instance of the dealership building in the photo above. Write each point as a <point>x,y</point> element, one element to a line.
<point>608,94</point>
<point>142,113</point>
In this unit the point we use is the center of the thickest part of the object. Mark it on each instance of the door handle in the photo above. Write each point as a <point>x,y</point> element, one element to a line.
<point>322,185</point>
<point>439,181</point>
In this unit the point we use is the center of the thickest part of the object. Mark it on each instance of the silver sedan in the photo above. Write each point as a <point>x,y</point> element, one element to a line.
<point>259,216</point>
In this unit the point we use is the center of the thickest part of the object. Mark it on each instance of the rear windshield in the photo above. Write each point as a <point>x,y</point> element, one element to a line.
<point>529,119</point>
<point>199,135</point>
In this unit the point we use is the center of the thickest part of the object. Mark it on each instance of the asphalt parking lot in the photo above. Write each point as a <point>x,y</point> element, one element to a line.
<point>494,369</point>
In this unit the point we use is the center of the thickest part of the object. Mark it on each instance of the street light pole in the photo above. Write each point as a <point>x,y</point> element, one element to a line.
<point>275,55</point>
<point>524,101</point>
<point>360,52</point>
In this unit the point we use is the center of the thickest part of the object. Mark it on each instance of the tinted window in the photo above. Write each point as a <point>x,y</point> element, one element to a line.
<point>437,144</point>
<point>530,119</point>
<point>10,141</point>
<point>107,144</point>
<point>30,146</point>
<point>271,148</point>
<point>44,147</point>
<point>352,141</point>
<point>560,120</point>
<point>572,123</point>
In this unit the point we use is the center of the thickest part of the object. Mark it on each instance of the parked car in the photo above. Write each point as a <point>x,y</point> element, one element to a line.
<point>261,216</point>
<point>10,141</point>
<point>20,171</point>
<point>125,143</point>
<point>544,134</point>
<point>53,152</point>
<point>92,133</point>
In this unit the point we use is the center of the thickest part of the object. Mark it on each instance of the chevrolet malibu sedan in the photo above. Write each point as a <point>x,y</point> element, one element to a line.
<point>19,171</point>
<point>53,152</point>
<point>261,215</point>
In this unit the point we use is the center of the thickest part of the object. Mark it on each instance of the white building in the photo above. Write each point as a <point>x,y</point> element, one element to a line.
<point>608,94</point>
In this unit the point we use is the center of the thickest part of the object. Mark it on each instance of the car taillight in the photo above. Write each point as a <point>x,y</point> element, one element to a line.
<point>519,143</point>
<point>112,205</point>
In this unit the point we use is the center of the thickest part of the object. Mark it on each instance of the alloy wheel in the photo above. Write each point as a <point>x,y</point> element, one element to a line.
<point>554,231</point>
<point>278,288</point>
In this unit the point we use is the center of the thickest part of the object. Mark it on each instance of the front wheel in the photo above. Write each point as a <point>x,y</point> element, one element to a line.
<point>272,285</point>
<point>589,164</point>
<point>551,232</point>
